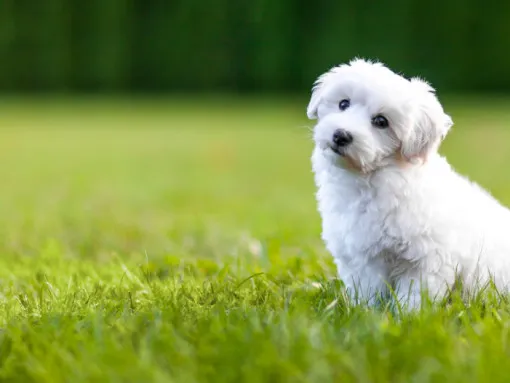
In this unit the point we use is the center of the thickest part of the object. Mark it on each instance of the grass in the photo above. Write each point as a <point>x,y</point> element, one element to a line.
<point>178,240</point>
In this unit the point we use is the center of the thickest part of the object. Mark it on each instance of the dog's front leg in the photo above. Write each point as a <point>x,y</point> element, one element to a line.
<point>408,290</point>
<point>364,285</point>
<point>412,286</point>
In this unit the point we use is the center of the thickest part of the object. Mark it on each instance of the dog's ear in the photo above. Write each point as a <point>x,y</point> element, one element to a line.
<point>430,124</point>
<point>316,98</point>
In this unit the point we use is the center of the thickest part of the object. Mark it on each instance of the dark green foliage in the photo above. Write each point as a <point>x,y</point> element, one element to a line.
<point>240,45</point>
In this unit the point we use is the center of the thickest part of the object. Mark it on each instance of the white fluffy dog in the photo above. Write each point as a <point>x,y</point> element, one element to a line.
<point>395,214</point>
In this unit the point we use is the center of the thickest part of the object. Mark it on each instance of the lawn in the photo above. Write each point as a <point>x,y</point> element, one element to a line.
<point>178,240</point>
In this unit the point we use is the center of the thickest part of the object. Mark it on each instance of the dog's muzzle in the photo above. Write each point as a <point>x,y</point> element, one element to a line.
<point>340,140</point>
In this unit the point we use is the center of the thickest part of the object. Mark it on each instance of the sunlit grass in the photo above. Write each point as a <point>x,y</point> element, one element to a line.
<point>178,240</point>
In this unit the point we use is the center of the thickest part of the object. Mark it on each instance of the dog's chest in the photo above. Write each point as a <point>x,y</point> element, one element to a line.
<point>354,222</point>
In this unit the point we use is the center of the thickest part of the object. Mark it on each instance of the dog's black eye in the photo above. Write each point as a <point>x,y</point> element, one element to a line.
<point>344,104</point>
<point>380,122</point>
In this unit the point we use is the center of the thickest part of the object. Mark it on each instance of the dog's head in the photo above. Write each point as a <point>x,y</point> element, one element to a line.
<point>369,116</point>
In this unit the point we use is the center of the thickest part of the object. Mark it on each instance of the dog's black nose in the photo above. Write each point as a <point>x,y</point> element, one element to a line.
<point>342,138</point>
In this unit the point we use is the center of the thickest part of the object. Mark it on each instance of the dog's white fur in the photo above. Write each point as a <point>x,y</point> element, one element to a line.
<point>395,214</point>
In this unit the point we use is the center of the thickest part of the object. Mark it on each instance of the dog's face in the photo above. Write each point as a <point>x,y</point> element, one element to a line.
<point>370,117</point>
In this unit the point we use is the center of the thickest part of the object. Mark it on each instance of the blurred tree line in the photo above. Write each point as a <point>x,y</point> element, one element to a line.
<point>246,45</point>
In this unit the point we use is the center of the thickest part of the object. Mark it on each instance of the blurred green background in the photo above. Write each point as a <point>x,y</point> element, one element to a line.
<point>241,45</point>
<point>164,71</point>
